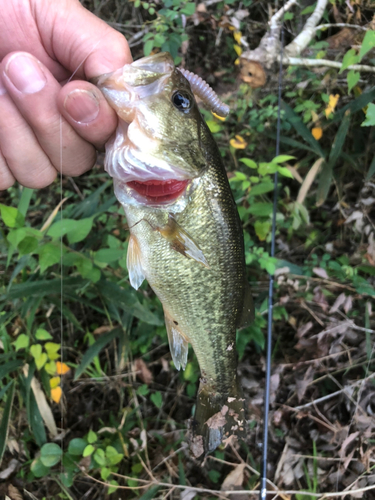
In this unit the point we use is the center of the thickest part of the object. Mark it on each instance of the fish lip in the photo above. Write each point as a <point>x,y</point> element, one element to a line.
<point>163,200</point>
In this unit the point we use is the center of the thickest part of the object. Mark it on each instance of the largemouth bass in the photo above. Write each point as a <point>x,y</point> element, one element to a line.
<point>186,236</point>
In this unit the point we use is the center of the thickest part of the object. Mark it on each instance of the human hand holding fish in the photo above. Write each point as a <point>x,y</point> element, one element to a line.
<point>42,43</point>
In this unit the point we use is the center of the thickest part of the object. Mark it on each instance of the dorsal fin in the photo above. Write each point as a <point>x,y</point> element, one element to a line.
<point>178,343</point>
<point>247,315</point>
<point>133,262</point>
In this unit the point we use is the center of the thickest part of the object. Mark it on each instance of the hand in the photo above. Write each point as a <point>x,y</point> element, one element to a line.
<point>42,43</point>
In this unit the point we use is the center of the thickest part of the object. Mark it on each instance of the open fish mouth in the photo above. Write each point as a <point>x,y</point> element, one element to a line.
<point>156,191</point>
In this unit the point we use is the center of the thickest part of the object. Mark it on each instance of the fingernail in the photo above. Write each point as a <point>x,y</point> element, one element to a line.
<point>82,105</point>
<point>26,74</point>
<point>2,88</point>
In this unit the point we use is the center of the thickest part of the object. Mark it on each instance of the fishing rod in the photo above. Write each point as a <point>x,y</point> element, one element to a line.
<point>267,388</point>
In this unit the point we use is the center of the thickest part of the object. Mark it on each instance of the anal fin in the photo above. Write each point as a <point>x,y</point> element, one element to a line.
<point>133,262</point>
<point>178,343</point>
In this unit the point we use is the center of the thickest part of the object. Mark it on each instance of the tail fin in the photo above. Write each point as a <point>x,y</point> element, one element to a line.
<point>217,417</point>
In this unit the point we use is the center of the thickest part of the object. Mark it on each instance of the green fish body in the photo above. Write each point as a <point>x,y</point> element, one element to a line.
<point>186,236</point>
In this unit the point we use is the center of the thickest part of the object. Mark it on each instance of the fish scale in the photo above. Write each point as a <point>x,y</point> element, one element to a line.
<point>190,249</point>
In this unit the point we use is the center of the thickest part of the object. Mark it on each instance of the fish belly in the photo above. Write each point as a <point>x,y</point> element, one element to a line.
<point>204,302</point>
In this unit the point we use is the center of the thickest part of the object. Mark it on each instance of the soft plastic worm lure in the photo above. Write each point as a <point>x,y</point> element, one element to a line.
<point>206,93</point>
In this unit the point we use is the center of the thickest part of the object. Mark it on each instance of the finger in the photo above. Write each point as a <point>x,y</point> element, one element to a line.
<point>34,91</point>
<point>22,156</point>
<point>75,102</point>
<point>79,40</point>
<point>6,177</point>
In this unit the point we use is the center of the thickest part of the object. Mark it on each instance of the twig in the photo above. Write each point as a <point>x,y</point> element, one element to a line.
<point>308,32</point>
<point>330,396</point>
<point>302,61</point>
<point>278,16</point>
<point>340,25</point>
<point>220,494</point>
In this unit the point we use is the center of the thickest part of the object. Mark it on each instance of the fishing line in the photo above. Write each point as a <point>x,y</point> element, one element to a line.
<point>267,388</point>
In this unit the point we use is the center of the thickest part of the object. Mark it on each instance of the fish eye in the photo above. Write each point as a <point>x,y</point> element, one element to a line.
<point>181,101</point>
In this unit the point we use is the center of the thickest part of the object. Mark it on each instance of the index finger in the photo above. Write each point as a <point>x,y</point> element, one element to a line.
<point>79,40</point>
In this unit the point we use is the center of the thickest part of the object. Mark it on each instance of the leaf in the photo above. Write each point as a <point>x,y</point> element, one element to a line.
<point>249,163</point>
<point>4,425</point>
<point>148,46</point>
<point>371,170</point>
<point>238,142</point>
<point>27,245</point>
<point>54,382</point>
<point>39,356</point>
<point>370,116</point>
<point>352,79</point>
<point>157,399</point>
<point>261,209</point>
<point>92,437</point>
<point>356,105</point>
<point>367,44</point>
<point>89,450</point>
<point>349,58</point>
<point>50,454</point>
<point>24,202</point>
<point>43,407</point>
<point>283,158</point>
<point>332,103</point>
<point>49,255</point>
<point>317,133</point>
<point>95,349</point>
<point>11,216</point>
<point>76,446</point>
<point>9,367</point>
<point>38,469</point>
<point>56,394</point>
<point>285,172</point>
<point>107,255</point>
<point>301,129</point>
<point>234,478</point>
<point>327,172</point>
<point>150,494</point>
<point>263,187</point>
<point>214,126</point>
<point>61,368</point>
<point>99,457</point>
<point>76,230</point>
<point>113,456</point>
<point>309,179</point>
<point>21,342</point>
<point>42,334</point>
<point>262,229</point>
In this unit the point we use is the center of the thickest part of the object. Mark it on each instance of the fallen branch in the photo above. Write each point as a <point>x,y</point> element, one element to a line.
<point>302,61</point>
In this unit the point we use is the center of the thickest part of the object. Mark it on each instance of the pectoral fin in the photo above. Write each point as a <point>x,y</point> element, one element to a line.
<point>133,262</point>
<point>178,343</point>
<point>181,241</point>
<point>247,316</point>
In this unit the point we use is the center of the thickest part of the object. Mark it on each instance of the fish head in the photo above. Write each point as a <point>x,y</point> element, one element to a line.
<point>157,150</point>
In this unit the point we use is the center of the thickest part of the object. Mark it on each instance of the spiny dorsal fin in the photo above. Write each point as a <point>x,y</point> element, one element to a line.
<point>133,262</point>
<point>178,343</point>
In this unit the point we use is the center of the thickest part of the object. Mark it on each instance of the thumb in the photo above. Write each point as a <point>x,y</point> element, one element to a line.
<point>83,43</point>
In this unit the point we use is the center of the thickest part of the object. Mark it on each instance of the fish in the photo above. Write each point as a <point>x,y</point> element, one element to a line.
<point>186,238</point>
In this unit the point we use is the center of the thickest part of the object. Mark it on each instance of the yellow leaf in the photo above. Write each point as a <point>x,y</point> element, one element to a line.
<point>238,49</point>
<point>56,394</point>
<point>54,382</point>
<point>317,133</point>
<point>333,100</point>
<point>61,368</point>
<point>237,61</point>
<point>237,35</point>
<point>238,143</point>
<point>221,118</point>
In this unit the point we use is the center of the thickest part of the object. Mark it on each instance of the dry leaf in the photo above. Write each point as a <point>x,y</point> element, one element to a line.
<point>188,494</point>
<point>218,420</point>
<point>196,446</point>
<point>12,466</point>
<point>238,143</point>
<point>102,329</point>
<point>56,394</point>
<point>61,368</point>
<point>338,303</point>
<point>333,100</point>
<point>317,133</point>
<point>319,271</point>
<point>144,373</point>
<point>43,406</point>
<point>14,493</point>
<point>234,478</point>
